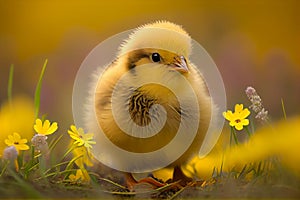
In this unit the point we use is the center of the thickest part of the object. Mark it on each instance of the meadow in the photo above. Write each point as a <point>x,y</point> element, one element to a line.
<point>254,157</point>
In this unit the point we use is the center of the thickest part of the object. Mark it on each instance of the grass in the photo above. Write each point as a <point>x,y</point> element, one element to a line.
<point>37,95</point>
<point>225,186</point>
<point>46,175</point>
<point>10,83</point>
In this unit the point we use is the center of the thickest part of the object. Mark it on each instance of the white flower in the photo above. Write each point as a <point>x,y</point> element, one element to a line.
<point>263,115</point>
<point>40,143</point>
<point>10,153</point>
<point>256,105</point>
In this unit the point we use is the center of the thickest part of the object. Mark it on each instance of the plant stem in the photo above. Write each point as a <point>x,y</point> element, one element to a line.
<point>54,142</point>
<point>69,151</point>
<point>283,109</point>
<point>234,136</point>
<point>4,168</point>
<point>248,132</point>
<point>230,139</point>
<point>17,165</point>
<point>10,84</point>
<point>72,161</point>
<point>37,95</point>
<point>55,166</point>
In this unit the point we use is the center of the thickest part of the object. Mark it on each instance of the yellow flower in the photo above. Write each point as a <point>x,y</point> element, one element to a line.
<point>16,116</point>
<point>15,140</point>
<point>238,118</point>
<point>74,178</point>
<point>281,140</point>
<point>85,159</point>
<point>45,128</point>
<point>81,176</point>
<point>81,138</point>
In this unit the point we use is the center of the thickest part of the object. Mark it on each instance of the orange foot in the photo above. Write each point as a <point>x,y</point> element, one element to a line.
<point>131,182</point>
<point>180,177</point>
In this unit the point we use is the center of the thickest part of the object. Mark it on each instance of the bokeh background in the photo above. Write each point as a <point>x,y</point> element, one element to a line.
<point>253,43</point>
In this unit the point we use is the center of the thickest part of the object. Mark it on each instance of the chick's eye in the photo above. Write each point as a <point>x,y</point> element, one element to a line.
<point>155,57</point>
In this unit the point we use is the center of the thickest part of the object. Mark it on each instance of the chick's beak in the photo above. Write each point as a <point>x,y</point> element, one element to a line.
<point>180,65</point>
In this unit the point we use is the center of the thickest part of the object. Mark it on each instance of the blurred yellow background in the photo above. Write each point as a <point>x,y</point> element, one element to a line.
<point>253,43</point>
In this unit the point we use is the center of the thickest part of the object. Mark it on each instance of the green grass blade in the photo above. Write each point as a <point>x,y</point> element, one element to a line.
<point>108,181</point>
<point>68,151</point>
<point>167,186</point>
<point>121,193</point>
<point>221,167</point>
<point>177,193</point>
<point>10,83</point>
<point>37,95</point>
<point>4,168</point>
<point>53,174</point>
<point>54,142</point>
<point>242,173</point>
<point>283,108</point>
<point>71,162</point>
<point>234,136</point>
<point>56,166</point>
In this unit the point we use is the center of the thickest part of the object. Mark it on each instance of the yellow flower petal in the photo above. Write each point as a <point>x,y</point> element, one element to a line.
<point>80,131</point>
<point>8,142</point>
<point>232,123</point>
<point>10,137</point>
<point>23,141</point>
<point>245,122</point>
<point>244,113</point>
<point>238,126</point>
<point>72,135</point>
<point>23,147</point>
<point>72,178</point>
<point>79,174</point>
<point>46,125</point>
<point>85,176</point>
<point>74,129</point>
<point>238,108</point>
<point>52,129</point>
<point>86,158</point>
<point>228,115</point>
<point>92,142</point>
<point>16,136</point>
<point>87,145</point>
<point>38,125</point>
<point>88,136</point>
<point>79,142</point>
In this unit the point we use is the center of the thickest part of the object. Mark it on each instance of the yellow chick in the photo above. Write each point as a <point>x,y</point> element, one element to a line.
<point>146,91</point>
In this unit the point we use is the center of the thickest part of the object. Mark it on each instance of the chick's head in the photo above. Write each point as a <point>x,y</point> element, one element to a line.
<point>161,42</point>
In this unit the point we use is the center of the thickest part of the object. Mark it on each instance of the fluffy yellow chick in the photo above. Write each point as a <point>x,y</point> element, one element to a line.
<point>153,54</point>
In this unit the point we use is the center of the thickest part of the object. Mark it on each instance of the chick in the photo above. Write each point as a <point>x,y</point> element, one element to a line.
<point>164,48</point>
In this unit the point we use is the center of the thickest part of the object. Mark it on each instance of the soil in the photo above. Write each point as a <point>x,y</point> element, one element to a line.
<point>227,188</point>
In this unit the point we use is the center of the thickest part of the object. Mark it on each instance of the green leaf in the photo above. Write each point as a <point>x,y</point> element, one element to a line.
<point>37,95</point>
<point>73,161</point>
<point>54,142</point>
<point>283,108</point>
<point>10,83</point>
